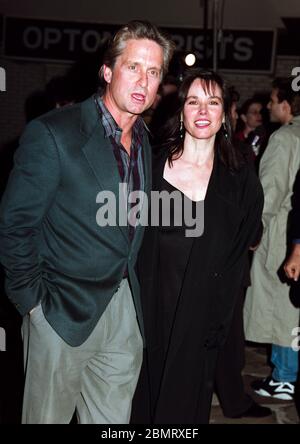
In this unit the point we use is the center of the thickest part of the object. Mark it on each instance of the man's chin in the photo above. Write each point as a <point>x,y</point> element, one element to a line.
<point>138,110</point>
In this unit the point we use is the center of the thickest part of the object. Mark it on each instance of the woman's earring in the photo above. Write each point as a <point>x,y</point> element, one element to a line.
<point>225,130</point>
<point>181,128</point>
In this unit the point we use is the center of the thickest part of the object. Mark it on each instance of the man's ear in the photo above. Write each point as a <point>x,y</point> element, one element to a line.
<point>286,107</point>
<point>107,73</point>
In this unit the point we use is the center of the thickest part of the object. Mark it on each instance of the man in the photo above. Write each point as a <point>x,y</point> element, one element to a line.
<point>270,315</point>
<point>73,280</point>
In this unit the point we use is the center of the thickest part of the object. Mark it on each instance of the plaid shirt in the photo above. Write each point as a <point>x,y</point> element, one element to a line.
<point>130,167</point>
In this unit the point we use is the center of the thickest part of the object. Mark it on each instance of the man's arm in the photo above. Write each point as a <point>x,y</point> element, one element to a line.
<point>30,191</point>
<point>278,169</point>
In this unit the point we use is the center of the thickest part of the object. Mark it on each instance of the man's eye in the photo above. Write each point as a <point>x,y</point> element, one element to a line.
<point>132,67</point>
<point>154,73</point>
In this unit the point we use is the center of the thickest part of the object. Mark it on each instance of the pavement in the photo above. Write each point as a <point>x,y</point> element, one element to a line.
<point>283,412</point>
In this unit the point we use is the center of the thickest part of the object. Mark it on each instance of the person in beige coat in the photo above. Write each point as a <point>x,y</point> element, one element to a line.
<point>269,313</point>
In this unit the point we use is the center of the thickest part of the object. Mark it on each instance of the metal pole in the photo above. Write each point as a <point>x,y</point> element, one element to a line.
<point>215,34</point>
<point>205,30</point>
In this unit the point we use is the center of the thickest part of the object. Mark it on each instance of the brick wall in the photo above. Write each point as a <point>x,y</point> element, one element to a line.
<point>249,84</point>
<point>23,78</point>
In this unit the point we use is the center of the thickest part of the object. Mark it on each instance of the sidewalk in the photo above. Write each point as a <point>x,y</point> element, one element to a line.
<point>284,412</point>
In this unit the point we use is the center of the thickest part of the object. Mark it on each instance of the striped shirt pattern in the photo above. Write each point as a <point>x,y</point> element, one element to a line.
<point>131,169</point>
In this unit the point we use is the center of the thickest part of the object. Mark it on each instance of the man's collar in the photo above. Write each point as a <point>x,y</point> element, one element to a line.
<point>111,129</point>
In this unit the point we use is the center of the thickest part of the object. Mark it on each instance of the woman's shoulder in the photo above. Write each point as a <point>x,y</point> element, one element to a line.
<point>247,175</point>
<point>242,181</point>
<point>249,184</point>
<point>242,171</point>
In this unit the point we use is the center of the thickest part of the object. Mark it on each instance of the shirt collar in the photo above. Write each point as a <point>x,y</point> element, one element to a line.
<point>111,127</point>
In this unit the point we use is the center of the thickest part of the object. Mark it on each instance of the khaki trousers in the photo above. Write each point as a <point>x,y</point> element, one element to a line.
<point>97,378</point>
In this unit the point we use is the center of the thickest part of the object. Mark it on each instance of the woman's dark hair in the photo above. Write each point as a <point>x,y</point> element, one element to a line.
<point>246,105</point>
<point>172,135</point>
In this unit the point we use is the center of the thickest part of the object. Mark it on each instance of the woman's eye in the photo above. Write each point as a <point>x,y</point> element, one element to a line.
<point>132,67</point>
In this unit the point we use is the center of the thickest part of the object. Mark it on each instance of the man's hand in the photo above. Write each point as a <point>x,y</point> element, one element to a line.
<point>292,265</point>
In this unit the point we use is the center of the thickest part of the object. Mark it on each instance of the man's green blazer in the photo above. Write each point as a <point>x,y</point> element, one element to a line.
<point>51,246</point>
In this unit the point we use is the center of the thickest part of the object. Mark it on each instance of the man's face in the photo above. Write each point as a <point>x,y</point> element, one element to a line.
<point>277,110</point>
<point>133,82</point>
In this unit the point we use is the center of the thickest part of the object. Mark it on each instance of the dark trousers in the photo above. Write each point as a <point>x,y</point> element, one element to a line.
<point>229,383</point>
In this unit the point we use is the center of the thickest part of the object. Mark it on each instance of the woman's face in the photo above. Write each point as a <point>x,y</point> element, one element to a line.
<point>253,117</point>
<point>203,111</point>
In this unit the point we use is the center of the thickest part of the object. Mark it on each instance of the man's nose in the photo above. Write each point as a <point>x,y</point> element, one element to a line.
<point>143,80</point>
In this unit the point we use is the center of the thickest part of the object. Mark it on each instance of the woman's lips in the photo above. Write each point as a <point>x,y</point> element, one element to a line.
<point>202,123</point>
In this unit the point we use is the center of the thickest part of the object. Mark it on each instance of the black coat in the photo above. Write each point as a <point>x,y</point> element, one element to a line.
<point>179,388</point>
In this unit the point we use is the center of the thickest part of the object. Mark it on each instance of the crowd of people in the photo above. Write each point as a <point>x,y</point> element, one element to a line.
<point>141,322</point>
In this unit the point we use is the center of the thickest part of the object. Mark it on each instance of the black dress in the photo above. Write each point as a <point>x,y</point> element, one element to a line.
<point>189,287</point>
<point>174,252</point>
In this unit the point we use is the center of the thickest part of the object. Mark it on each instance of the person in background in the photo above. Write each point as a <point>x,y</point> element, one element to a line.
<point>253,133</point>
<point>269,313</point>
<point>156,116</point>
<point>251,116</point>
<point>72,279</point>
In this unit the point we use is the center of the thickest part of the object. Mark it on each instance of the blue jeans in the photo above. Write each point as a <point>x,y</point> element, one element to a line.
<point>285,361</point>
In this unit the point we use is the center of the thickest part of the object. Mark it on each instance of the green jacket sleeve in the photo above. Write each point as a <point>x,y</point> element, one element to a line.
<point>30,191</point>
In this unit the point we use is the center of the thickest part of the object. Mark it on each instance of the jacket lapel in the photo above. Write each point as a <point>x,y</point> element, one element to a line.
<point>99,154</point>
<point>146,204</point>
<point>221,215</point>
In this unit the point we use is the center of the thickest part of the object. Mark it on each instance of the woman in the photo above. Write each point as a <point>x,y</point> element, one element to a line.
<point>253,132</point>
<point>251,116</point>
<point>189,284</point>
